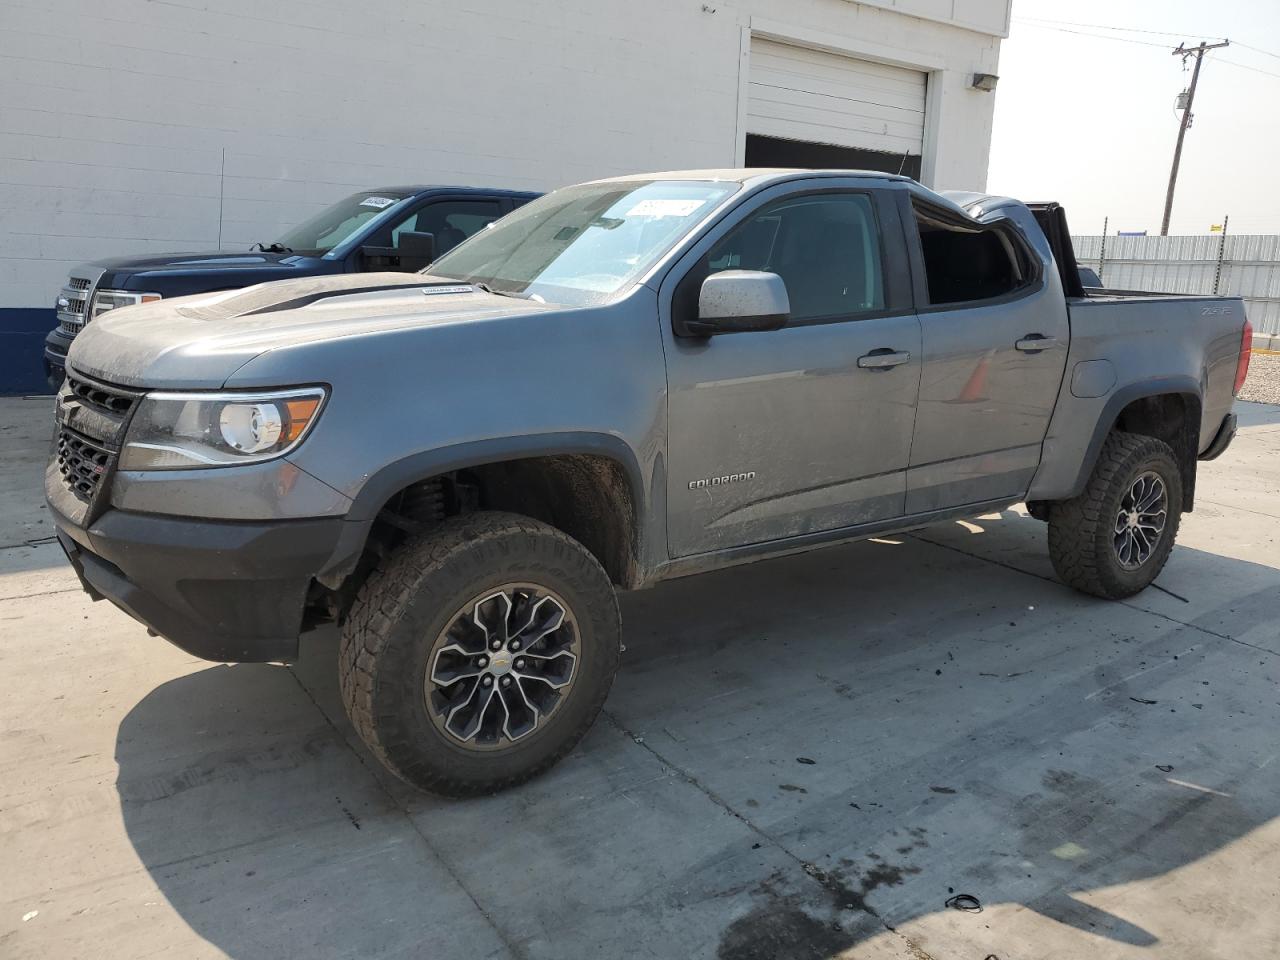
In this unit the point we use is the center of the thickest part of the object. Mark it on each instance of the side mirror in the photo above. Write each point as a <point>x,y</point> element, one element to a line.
<point>740,301</point>
<point>416,249</point>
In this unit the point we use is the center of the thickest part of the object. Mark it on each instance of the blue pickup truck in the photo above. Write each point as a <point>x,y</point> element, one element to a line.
<point>386,228</point>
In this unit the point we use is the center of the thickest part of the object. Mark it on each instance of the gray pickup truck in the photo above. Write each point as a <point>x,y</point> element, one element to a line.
<point>621,382</point>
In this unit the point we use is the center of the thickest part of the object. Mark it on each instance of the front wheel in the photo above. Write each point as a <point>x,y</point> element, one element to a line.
<point>1114,539</point>
<point>480,653</point>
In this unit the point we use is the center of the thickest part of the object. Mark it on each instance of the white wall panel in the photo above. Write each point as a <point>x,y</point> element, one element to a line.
<point>134,126</point>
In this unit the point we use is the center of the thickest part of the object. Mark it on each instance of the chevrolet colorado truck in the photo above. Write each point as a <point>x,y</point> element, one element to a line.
<point>386,228</point>
<point>620,382</point>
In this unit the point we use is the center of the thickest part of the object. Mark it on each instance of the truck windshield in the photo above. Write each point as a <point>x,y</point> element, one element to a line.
<point>583,244</point>
<point>330,227</point>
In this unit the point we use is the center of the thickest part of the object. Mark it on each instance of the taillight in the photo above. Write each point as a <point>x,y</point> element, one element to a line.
<point>1246,351</point>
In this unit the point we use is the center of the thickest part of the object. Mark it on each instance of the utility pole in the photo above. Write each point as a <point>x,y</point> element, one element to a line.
<point>1185,52</point>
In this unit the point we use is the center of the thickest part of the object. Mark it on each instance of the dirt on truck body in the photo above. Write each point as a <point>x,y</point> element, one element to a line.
<point>623,381</point>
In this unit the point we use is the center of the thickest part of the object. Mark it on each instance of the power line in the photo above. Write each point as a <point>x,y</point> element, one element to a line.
<point>1147,43</point>
<point>1156,33</point>
<point>1267,53</point>
<point>1245,66</point>
<point>1103,26</point>
<point>1095,36</point>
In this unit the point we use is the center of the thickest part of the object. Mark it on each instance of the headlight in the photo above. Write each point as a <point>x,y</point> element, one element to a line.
<point>105,301</point>
<point>179,431</point>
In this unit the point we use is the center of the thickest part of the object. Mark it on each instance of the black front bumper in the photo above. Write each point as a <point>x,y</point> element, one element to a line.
<point>220,590</point>
<point>56,345</point>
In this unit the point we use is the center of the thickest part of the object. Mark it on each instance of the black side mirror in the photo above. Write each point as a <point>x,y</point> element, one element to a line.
<point>414,252</point>
<point>416,249</point>
<point>739,301</point>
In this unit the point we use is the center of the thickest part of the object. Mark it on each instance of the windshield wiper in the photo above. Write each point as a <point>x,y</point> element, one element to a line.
<point>276,247</point>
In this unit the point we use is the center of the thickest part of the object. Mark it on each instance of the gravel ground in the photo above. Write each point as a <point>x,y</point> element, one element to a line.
<point>1263,383</point>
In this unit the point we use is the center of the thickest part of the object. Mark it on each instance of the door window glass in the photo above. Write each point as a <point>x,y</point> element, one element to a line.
<point>452,221</point>
<point>825,247</point>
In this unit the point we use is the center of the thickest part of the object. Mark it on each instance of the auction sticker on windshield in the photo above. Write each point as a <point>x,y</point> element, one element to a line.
<point>378,203</point>
<point>664,207</point>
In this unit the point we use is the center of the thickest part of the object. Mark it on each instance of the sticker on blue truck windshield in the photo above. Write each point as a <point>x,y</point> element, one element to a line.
<point>378,203</point>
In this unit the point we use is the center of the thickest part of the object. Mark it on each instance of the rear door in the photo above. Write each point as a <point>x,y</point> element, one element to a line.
<point>773,435</point>
<point>995,332</point>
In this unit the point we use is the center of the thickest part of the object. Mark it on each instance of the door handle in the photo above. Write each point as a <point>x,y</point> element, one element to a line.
<point>1035,342</point>
<point>883,359</point>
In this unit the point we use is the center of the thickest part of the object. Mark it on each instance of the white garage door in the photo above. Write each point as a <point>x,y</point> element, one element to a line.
<point>796,93</point>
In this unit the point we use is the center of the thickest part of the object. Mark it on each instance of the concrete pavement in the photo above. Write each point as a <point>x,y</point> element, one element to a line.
<point>802,758</point>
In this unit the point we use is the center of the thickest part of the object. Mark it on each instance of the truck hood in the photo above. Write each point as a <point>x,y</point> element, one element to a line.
<point>175,274</point>
<point>198,342</point>
<point>185,261</point>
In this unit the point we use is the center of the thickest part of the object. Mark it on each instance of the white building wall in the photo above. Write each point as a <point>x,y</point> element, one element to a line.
<point>132,126</point>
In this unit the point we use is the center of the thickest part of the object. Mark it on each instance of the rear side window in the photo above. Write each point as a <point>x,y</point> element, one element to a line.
<point>825,247</point>
<point>965,265</point>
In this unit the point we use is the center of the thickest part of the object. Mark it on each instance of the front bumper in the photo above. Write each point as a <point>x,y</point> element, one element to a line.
<point>220,590</point>
<point>56,345</point>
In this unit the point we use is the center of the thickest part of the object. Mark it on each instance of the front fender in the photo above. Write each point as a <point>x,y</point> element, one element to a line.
<point>431,463</point>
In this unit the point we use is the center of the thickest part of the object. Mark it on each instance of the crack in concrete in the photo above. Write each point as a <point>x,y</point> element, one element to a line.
<point>829,884</point>
<point>41,593</point>
<point>506,941</point>
<point>1131,606</point>
<point>1234,506</point>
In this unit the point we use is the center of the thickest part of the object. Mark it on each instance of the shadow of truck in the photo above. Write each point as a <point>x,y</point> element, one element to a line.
<point>972,729</point>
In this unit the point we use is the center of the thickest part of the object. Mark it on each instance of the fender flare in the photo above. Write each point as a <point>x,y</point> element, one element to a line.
<point>1160,386</point>
<point>399,474</point>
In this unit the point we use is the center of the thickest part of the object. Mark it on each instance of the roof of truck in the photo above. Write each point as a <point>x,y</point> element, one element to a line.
<point>757,177</point>
<point>754,174</point>
<point>416,188</point>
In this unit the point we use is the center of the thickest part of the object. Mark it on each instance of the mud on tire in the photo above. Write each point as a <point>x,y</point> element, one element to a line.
<point>1083,531</point>
<point>389,657</point>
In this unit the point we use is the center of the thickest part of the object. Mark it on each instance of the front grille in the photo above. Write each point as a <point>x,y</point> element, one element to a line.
<point>81,462</point>
<point>74,324</point>
<point>72,303</point>
<point>102,396</point>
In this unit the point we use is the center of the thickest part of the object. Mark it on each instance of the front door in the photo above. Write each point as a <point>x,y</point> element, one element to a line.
<point>995,331</point>
<point>774,435</point>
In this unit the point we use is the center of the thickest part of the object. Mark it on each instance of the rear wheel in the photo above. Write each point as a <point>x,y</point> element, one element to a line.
<point>480,653</point>
<point>1114,539</point>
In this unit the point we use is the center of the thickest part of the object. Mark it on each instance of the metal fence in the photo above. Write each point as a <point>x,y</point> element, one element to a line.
<point>1235,266</point>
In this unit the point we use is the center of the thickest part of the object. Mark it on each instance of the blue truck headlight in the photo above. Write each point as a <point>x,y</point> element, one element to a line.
<point>182,431</point>
<point>104,301</point>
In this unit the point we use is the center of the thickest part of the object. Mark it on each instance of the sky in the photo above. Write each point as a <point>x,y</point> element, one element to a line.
<point>1085,115</point>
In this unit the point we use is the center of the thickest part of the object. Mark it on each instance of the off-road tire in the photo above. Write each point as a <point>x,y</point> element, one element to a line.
<point>1081,530</point>
<point>408,600</point>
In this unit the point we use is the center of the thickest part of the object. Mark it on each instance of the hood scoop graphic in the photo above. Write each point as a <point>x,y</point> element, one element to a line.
<point>284,295</point>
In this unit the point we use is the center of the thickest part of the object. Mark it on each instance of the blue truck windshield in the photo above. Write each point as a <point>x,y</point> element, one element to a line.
<point>335,224</point>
